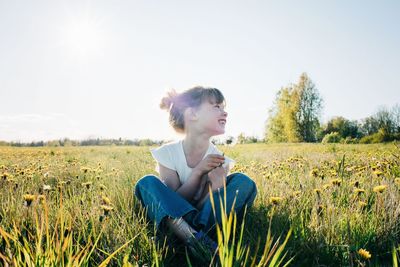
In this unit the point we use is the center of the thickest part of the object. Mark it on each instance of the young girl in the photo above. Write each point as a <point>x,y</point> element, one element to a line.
<point>179,197</point>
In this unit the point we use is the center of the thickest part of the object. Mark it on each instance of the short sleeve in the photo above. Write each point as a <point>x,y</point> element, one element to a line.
<point>229,163</point>
<point>162,155</point>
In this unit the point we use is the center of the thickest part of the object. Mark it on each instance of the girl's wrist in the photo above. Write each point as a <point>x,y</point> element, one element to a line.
<point>197,173</point>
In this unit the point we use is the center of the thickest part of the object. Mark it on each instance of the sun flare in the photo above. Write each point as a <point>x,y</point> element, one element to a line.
<point>84,37</point>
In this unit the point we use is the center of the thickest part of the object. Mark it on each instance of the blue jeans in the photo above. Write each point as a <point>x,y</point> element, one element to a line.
<point>161,201</point>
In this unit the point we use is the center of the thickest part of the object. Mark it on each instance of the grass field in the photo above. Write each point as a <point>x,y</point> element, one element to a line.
<point>75,205</point>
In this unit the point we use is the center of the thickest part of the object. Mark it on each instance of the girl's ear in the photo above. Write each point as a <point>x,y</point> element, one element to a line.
<point>191,114</point>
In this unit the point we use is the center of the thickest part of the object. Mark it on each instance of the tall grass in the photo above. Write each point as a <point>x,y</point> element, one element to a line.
<point>231,249</point>
<point>332,205</point>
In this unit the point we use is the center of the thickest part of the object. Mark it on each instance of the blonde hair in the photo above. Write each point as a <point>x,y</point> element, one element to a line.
<point>176,103</point>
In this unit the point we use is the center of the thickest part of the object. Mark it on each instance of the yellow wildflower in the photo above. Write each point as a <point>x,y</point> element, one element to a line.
<point>42,199</point>
<point>326,186</point>
<point>296,193</point>
<point>105,200</point>
<point>364,253</point>
<point>362,204</point>
<point>359,191</point>
<point>356,184</point>
<point>336,182</point>
<point>317,191</point>
<point>275,200</point>
<point>379,188</point>
<point>314,172</point>
<point>87,185</point>
<point>84,169</point>
<point>106,209</point>
<point>28,198</point>
<point>102,187</point>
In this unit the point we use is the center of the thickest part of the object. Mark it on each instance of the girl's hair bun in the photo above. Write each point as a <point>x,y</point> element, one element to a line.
<point>168,100</point>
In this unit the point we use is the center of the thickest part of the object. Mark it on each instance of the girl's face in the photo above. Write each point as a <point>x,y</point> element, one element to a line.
<point>212,118</point>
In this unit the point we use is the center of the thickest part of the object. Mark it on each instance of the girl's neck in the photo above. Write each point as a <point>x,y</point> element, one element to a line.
<point>193,144</point>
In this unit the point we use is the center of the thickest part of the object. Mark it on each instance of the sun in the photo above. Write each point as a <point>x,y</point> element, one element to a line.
<point>84,37</point>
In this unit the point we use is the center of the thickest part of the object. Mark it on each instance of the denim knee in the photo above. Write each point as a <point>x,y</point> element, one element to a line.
<point>145,181</point>
<point>245,184</point>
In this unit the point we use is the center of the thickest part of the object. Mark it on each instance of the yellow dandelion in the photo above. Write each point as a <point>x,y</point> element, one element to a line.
<point>362,204</point>
<point>364,253</point>
<point>336,182</point>
<point>326,186</point>
<point>275,200</point>
<point>87,185</point>
<point>359,191</point>
<point>379,188</point>
<point>28,199</point>
<point>105,200</point>
<point>296,193</point>
<point>102,187</point>
<point>84,169</point>
<point>42,199</point>
<point>107,209</point>
<point>314,172</point>
<point>397,181</point>
<point>4,176</point>
<point>378,173</point>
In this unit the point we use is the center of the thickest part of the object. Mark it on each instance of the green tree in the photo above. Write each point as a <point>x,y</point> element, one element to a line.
<point>395,111</point>
<point>344,127</point>
<point>309,108</point>
<point>295,112</point>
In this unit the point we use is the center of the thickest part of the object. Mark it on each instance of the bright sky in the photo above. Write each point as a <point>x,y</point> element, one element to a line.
<point>82,69</point>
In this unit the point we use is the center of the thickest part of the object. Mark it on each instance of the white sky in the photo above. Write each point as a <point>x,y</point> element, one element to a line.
<point>82,69</point>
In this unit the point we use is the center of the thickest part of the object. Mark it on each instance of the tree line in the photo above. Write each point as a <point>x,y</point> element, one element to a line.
<point>295,115</point>
<point>65,142</point>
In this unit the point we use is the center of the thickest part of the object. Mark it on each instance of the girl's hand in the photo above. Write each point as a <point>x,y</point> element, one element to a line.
<point>217,177</point>
<point>210,162</point>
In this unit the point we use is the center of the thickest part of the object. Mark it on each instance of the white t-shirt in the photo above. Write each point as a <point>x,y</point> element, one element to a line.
<point>172,156</point>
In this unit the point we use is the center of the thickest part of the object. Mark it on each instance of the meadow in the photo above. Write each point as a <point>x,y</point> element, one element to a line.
<point>317,205</point>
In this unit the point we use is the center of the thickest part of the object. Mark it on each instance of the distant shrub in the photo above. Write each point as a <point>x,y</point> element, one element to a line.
<point>366,139</point>
<point>349,140</point>
<point>379,137</point>
<point>332,138</point>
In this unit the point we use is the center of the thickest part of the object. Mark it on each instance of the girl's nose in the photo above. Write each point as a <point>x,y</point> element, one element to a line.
<point>225,113</point>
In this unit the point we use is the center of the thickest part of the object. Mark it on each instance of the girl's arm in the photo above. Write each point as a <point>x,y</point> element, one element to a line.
<point>216,180</point>
<point>171,179</point>
<point>189,189</point>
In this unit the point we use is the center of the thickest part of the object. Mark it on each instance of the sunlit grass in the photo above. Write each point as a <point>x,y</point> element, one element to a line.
<point>76,206</point>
